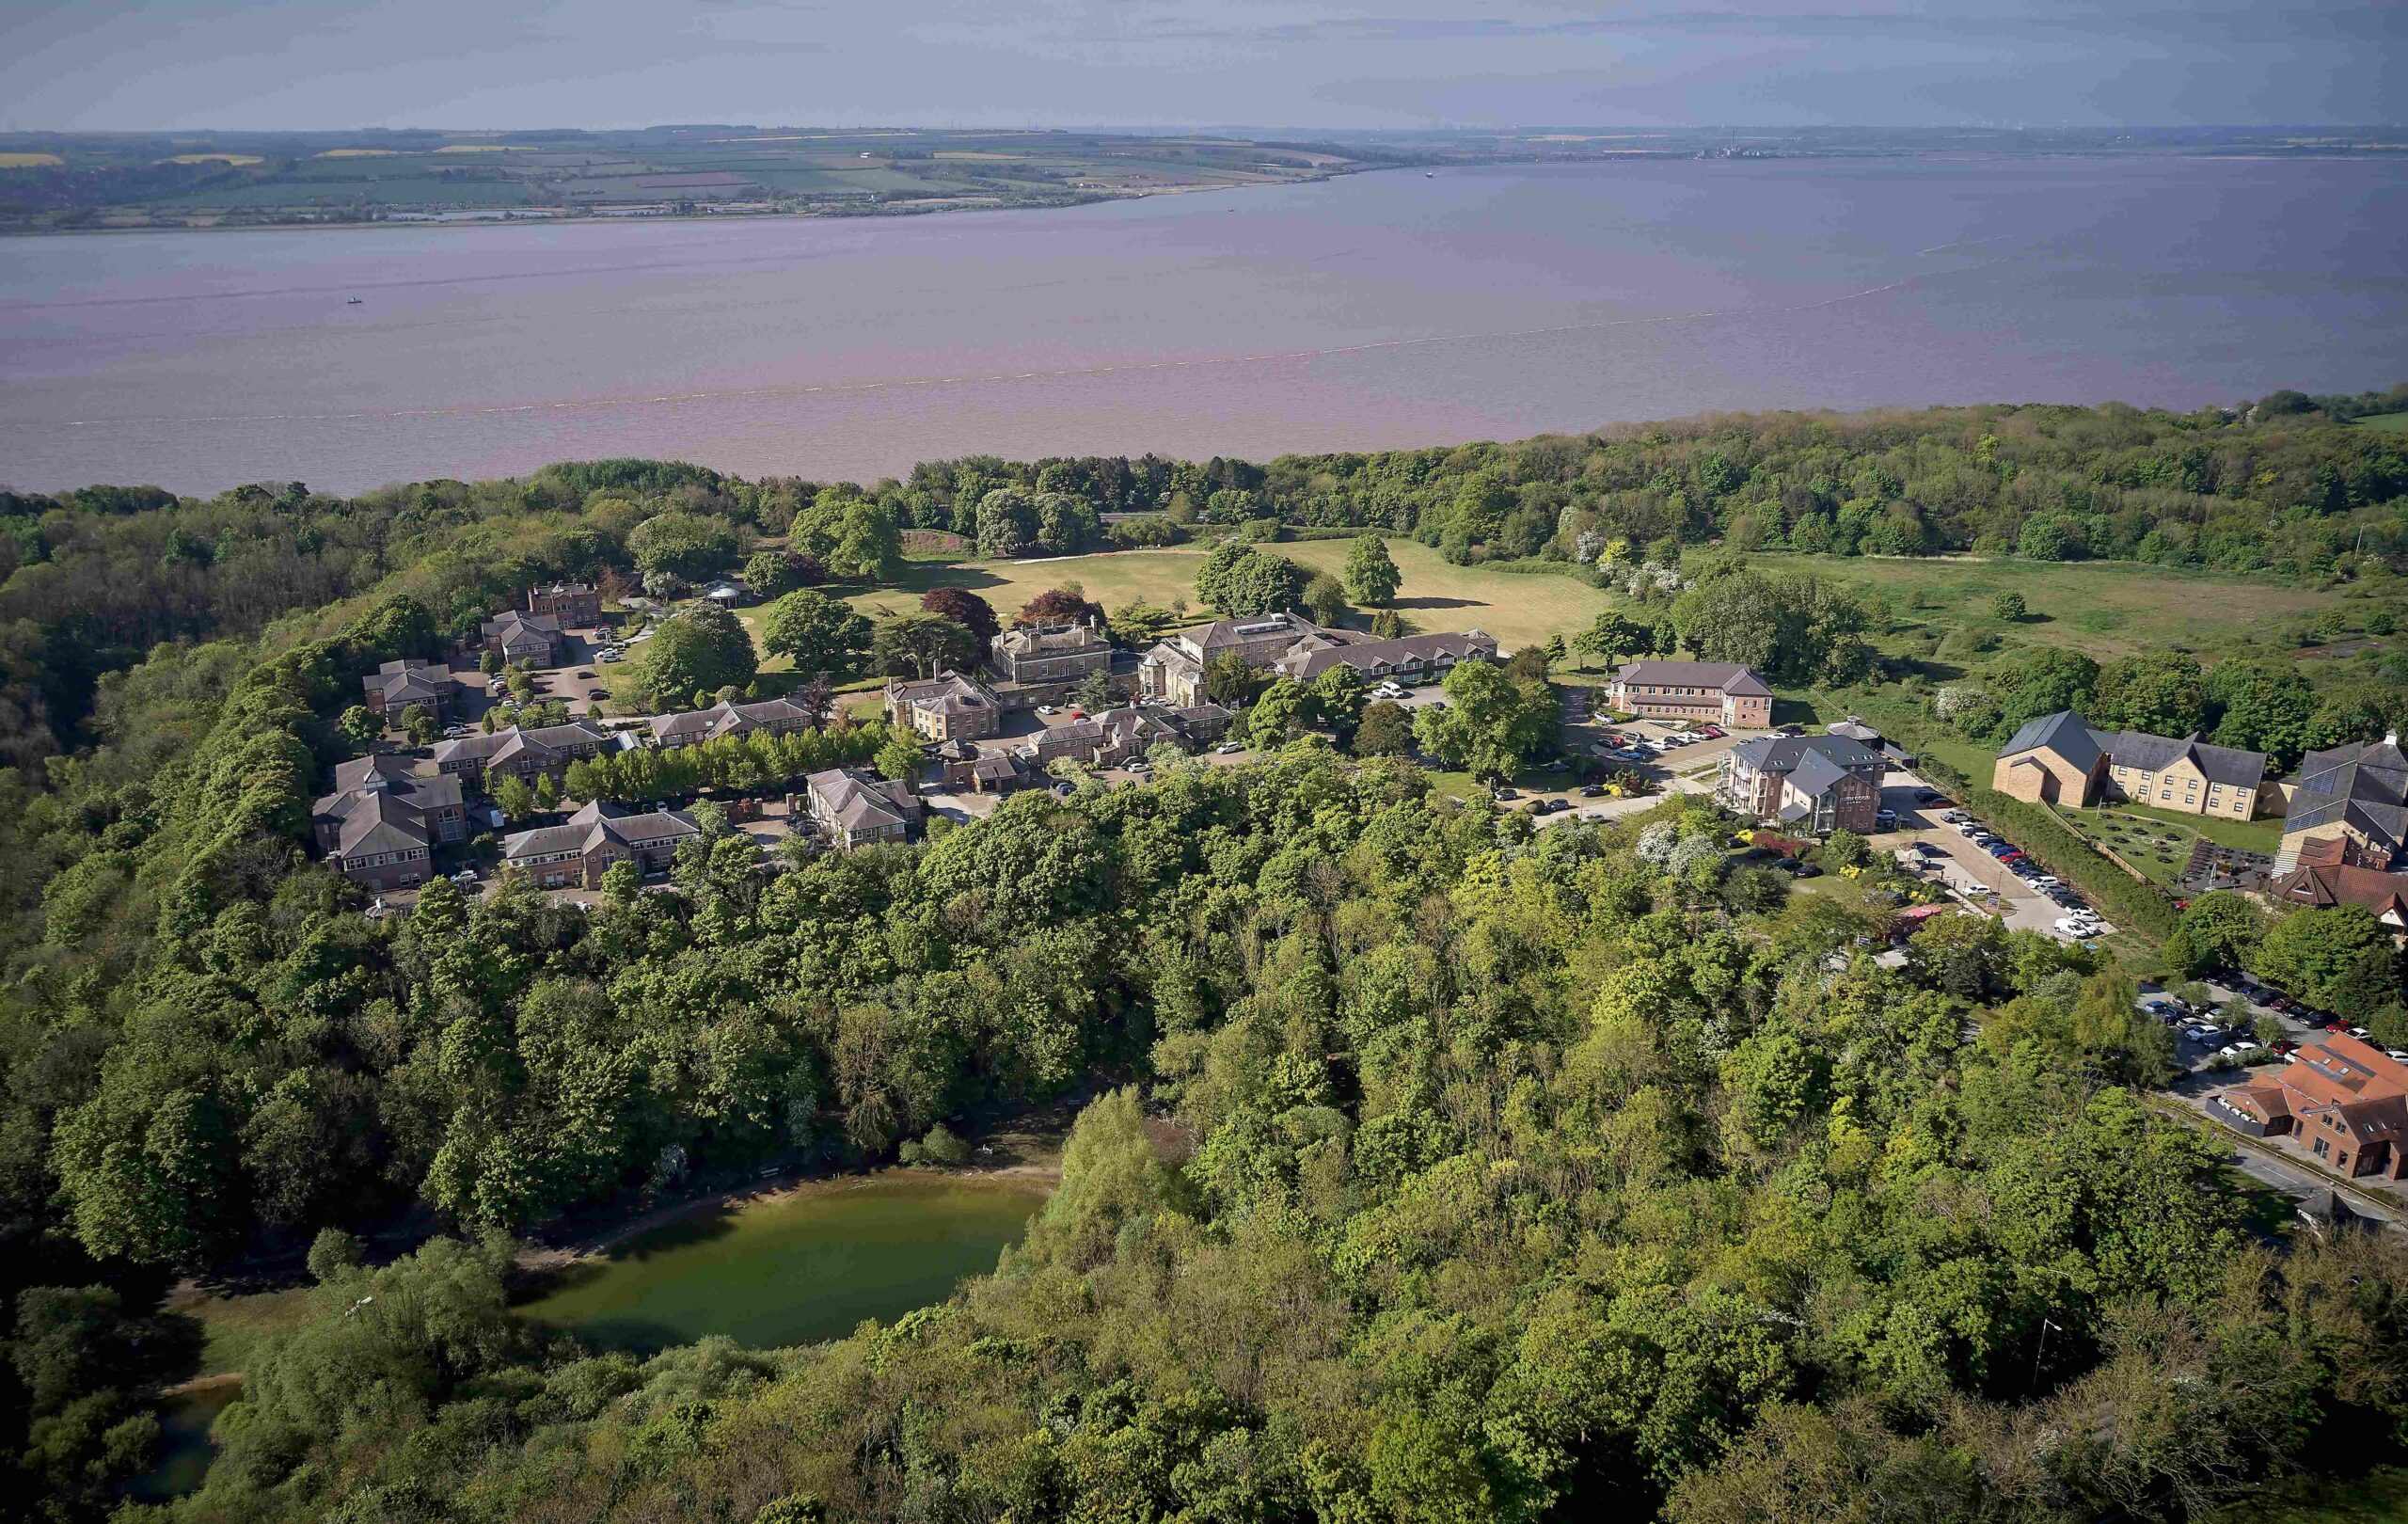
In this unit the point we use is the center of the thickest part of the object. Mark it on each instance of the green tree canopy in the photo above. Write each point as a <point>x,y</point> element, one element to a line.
<point>703,647</point>
<point>1371,575</point>
<point>821,634</point>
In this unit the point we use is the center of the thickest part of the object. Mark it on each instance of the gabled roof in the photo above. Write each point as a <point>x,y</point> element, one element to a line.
<point>2364,786</point>
<point>1729,676</point>
<point>511,620</point>
<point>2326,884</point>
<point>947,692</point>
<point>502,745</point>
<point>1050,640</point>
<point>2226,764</point>
<point>2063,733</point>
<point>1814,774</point>
<point>1311,656</point>
<point>1784,753</point>
<point>599,822</point>
<point>857,800</point>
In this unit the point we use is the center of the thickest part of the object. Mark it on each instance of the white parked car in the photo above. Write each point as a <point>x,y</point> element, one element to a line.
<point>1229,749</point>
<point>1045,709</point>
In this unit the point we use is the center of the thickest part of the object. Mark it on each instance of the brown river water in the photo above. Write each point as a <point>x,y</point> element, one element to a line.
<point>1380,309</point>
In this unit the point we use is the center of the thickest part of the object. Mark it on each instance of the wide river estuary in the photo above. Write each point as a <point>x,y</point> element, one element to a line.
<point>1390,309</point>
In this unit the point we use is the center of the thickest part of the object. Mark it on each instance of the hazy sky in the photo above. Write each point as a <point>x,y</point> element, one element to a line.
<point>130,64</point>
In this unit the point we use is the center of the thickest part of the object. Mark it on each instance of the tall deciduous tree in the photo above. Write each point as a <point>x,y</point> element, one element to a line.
<point>703,648</point>
<point>963,608</point>
<point>1371,575</point>
<point>922,645</point>
<point>820,633</point>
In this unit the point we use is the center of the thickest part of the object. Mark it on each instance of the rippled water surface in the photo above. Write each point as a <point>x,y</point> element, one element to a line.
<point>1376,310</point>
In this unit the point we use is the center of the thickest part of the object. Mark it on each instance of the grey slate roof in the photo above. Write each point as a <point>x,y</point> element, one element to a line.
<point>2366,786</point>
<point>1784,753</point>
<point>2226,764</point>
<point>1814,774</point>
<point>947,692</point>
<point>501,745</point>
<point>2064,732</point>
<point>1316,653</point>
<point>597,823</point>
<point>1727,676</point>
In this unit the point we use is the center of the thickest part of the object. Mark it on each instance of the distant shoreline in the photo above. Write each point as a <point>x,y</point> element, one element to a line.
<point>457,218</point>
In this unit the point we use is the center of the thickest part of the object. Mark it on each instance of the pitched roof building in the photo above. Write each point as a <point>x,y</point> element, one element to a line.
<point>779,717</point>
<point>2355,796</point>
<point>1118,736</point>
<point>579,851</point>
<point>2058,759</point>
<point>1048,657</point>
<point>2344,1100</point>
<point>523,637</point>
<point>482,760</point>
<point>854,808</point>
<point>1812,782</point>
<point>575,605</point>
<point>382,822</point>
<point>1174,669</point>
<point>2323,885</point>
<point>1723,692</point>
<point>397,685</point>
<point>1411,657</point>
<point>2051,760</point>
<point>952,705</point>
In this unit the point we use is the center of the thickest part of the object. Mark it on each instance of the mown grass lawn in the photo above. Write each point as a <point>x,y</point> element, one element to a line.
<point>1518,608</point>
<point>2386,422</point>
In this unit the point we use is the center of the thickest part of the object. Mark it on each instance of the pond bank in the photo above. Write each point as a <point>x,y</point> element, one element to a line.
<point>790,1266</point>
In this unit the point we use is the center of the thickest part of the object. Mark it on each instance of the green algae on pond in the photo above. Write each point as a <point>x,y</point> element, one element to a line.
<point>185,1447</point>
<point>794,1269</point>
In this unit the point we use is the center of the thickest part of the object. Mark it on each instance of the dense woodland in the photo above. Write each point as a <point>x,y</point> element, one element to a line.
<point>1512,1177</point>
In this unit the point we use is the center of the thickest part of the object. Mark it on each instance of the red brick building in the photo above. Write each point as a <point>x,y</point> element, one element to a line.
<point>2341,1099</point>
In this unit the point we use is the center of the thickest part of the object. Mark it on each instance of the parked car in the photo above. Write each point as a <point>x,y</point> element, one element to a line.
<point>1229,749</point>
<point>1592,790</point>
<point>1807,871</point>
<point>1045,709</point>
<point>584,672</point>
<point>1504,792</point>
<point>1885,819</point>
<point>612,656</point>
<point>1712,731</point>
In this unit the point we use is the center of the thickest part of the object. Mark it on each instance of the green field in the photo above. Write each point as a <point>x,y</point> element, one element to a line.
<point>2102,609</point>
<point>1516,607</point>
<point>2387,422</point>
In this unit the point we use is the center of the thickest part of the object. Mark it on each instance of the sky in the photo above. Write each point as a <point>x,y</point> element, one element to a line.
<point>177,65</point>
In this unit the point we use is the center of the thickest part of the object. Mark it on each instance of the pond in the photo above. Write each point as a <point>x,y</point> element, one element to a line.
<point>799,1267</point>
<point>184,1448</point>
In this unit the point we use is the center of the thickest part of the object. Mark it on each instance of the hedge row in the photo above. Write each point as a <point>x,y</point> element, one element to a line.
<point>2050,842</point>
<point>2129,902</point>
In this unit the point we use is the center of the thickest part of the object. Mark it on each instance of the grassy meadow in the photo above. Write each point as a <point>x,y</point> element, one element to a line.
<point>2104,609</point>
<point>1516,606</point>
